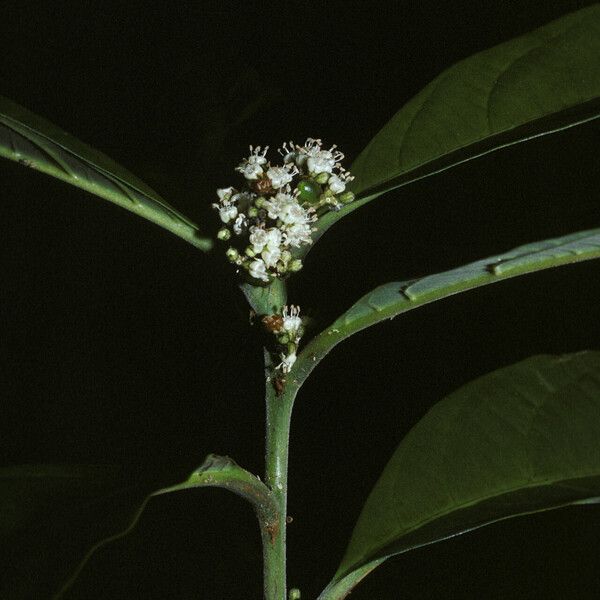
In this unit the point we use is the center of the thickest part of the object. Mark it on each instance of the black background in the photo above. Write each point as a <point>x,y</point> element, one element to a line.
<point>124,345</point>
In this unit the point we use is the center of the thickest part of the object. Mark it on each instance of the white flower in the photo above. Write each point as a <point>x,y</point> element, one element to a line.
<point>292,213</point>
<point>274,206</point>
<point>258,238</point>
<point>280,219</point>
<point>240,224</point>
<point>250,171</point>
<point>227,212</point>
<point>224,194</point>
<point>336,185</point>
<point>292,321</point>
<point>310,148</point>
<point>298,234</point>
<point>258,270</point>
<point>280,176</point>
<point>289,154</point>
<point>287,362</point>
<point>251,167</point>
<point>322,162</point>
<point>274,237</point>
<point>270,256</point>
<point>261,238</point>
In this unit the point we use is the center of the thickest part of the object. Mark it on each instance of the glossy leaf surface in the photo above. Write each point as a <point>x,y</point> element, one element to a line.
<point>34,142</point>
<point>523,439</point>
<point>394,298</point>
<point>536,84</point>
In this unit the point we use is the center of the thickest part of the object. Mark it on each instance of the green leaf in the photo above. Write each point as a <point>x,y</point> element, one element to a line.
<point>391,299</point>
<point>523,439</point>
<point>537,84</point>
<point>266,300</point>
<point>34,142</point>
<point>215,471</point>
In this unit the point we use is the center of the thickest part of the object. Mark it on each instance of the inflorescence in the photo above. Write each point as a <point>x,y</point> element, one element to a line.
<point>276,213</point>
<point>288,330</point>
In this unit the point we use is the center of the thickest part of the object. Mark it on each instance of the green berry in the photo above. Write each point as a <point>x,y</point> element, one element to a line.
<point>309,191</point>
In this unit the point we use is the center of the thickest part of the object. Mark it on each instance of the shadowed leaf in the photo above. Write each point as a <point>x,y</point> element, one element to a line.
<point>36,143</point>
<point>523,439</point>
<point>536,84</point>
<point>391,299</point>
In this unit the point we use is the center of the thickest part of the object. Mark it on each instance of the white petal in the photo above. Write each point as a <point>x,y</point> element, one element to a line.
<point>258,270</point>
<point>228,213</point>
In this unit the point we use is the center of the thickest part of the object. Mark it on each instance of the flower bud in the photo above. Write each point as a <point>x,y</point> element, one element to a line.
<point>295,265</point>
<point>322,178</point>
<point>259,202</point>
<point>224,234</point>
<point>253,212</point>
<point>347,197</point>
<point>250,252</point>
<point>232,254</point>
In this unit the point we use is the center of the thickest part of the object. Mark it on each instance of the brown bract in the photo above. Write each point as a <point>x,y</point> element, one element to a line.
<point>273,323</point>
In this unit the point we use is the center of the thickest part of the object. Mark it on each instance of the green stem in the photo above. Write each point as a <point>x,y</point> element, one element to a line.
<point>270,300</point>
<point>278,413</point>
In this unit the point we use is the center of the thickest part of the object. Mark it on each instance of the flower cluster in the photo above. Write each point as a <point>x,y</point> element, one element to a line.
<point>276,212</point>
<point>288,330</point>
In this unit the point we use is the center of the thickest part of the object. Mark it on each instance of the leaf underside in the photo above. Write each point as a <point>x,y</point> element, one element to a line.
<point>391,299</point>
<point>523,439</point>
<point>34,142</point>
<point>536,84</point>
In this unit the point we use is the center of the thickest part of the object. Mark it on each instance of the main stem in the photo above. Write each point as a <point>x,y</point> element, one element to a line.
<point>278,413</point>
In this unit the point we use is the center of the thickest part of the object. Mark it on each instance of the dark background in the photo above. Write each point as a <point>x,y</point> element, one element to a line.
<point>125,346</point>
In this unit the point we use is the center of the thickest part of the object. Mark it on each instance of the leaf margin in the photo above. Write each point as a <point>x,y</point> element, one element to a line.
<point>349,575</point>
<point>66,158</point>
<point>491,270</point>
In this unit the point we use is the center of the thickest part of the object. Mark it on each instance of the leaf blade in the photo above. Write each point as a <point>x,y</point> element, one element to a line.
<point>33,141</point>
<point>520,440</point>
<point>394,298</point>
<point>539,83</point>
